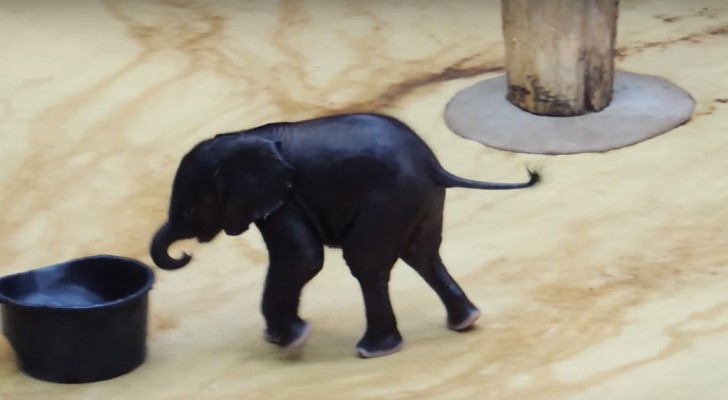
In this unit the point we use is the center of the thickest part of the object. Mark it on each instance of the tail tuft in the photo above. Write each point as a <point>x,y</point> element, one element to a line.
<point>534,176</point>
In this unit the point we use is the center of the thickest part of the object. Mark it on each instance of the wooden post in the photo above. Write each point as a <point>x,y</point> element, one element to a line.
<point>560,54</point>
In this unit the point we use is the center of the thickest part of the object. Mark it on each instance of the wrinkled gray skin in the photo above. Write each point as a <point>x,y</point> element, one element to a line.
<point>365,183</point>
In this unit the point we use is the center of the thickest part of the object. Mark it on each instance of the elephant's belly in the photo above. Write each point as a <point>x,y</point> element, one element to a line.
<point>333,230</point>
<point>330,221</point>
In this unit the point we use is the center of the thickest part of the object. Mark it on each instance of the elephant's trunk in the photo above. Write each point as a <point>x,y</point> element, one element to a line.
<point>164,238</point>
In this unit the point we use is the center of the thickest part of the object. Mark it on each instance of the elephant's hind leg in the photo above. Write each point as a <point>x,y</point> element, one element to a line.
<point>422,253</point>
<point>295,255</point>
<point>461,312</point>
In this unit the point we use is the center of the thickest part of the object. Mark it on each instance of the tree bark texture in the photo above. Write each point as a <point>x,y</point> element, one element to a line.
<point>560,54</point>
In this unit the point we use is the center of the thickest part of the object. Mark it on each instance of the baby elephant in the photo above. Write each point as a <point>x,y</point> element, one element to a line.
<point>364,183</point>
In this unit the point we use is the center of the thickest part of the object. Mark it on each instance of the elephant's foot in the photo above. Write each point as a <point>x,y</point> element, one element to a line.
<point>292,338</point>
<point>463,320</point>
<point>370,347</point>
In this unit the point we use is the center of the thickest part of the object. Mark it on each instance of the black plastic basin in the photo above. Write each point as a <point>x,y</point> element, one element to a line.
<point>80,321</point>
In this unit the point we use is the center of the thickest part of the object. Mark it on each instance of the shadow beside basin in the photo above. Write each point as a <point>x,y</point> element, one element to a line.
<point>79,321</point>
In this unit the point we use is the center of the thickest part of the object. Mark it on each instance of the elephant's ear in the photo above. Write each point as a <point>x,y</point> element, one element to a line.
<point>252,180</point>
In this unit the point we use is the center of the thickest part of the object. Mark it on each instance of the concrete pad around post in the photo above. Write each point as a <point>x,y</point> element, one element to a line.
<point>642,107</point>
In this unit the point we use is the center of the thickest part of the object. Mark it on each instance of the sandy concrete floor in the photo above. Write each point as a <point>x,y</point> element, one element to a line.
<point>606,282</point>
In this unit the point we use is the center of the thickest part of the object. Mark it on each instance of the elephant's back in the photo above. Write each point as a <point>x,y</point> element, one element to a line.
<point>375,137</point>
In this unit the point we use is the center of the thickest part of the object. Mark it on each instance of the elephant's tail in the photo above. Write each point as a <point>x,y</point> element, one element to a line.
<point>449,180</point>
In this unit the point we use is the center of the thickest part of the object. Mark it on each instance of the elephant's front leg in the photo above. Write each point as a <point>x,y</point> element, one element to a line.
<point>371,250</point>
<point>382,336</point>
<point>295,257</point>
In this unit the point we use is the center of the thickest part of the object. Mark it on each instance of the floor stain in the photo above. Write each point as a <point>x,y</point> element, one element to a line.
<point>400,90</point>
<point>693,38</point>
<point>703,12</point>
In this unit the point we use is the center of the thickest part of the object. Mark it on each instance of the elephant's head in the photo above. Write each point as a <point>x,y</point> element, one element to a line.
<point>222,184</point>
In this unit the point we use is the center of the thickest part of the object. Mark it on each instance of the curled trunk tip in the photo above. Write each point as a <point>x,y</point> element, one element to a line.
<point>159,249</point>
